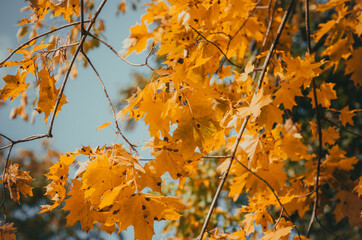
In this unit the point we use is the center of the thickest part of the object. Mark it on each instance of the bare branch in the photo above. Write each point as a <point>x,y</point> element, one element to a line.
<point>36,37</point>
<point>319,126</point>
<point>272,190</point>
<point>280,217</point>
<point>92,21</point>
<point>223,178</point>
<point>342,127</point>
<point>109,102</point>
<point>122,58</point>
<point>222,52</point>
<point>62,47</point>
<point>275,42</point>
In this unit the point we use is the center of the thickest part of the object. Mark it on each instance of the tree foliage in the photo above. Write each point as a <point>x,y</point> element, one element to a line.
<point>252,113</point>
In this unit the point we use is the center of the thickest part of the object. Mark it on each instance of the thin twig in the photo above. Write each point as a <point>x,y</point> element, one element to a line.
<point>276,40</point>
<point>9,139</point>
<point>319,126</point>
<point>92,21</point>
<point>222,52</point>
<point>342,127</point>
<point>268,31</point>
<point>244,23</point>
<point>272,190</point>
<point>305,195</point>
<point>61,47</point>
<point>280,217</point>
<point>122,58</point>
<point>223,178</point>
<point>327,230</point>
<point>27,139</point>
<point>39,36</point>
<point>109,102</point>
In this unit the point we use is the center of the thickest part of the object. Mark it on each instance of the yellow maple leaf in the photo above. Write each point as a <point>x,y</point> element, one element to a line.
<point>17,181</point>
<point>358,188</point>
<point>353,65</point>
<point>137,41</point>
<point>58,173</point>
<point>104,125</point>
<point>257,102</point>
<point>15,84</point>
<point>169,157</point>
<point>141,210</point>
<point>68,8</point>
<point>350,206</point>
<point>7,231</point>
<point>80,209</point>
<point>48,94</point>
<point>278,234</point>
<point>325,94</point>
<point>346,115</point>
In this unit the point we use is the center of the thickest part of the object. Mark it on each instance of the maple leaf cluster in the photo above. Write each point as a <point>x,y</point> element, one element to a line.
<point>218,94</point>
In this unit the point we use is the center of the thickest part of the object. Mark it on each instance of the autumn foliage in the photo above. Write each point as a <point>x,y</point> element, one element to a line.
<point>246,118</point>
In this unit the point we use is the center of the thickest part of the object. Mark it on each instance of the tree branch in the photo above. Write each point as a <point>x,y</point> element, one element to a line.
<point>84,36</point>
<point>122,58</point>
<point>223,178</point>
<point>342,127</point>
<point>36,37</point>
<point>109,102</point>
<point>272,190</point>
<point>222,52</point>
<point>319,126</point>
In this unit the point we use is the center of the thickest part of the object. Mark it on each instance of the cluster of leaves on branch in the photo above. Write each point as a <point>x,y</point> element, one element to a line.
<point>222,115</point>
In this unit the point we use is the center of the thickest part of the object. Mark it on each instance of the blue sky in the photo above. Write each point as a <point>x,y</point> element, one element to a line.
<point>88,108</point>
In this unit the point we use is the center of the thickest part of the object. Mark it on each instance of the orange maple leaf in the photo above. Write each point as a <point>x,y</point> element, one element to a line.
<point>257,102</point>
<point>15,84</point>
<point>48,94</point>
<point>18,181</point>
<point>7,232</point>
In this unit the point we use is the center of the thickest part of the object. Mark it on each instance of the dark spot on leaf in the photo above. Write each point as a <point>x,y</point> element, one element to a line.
<point>175,150</point>
<point>159,183</point>
<point>180,61</point>
<point>155,218</point>
<point>145,216</point>
<point>147,199</point>
<point>115,211</point>
<point>61,177</point>
<point>198,125</point>
<point>165,139</point>
<point>143,207</point>
<point>178,174</point>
